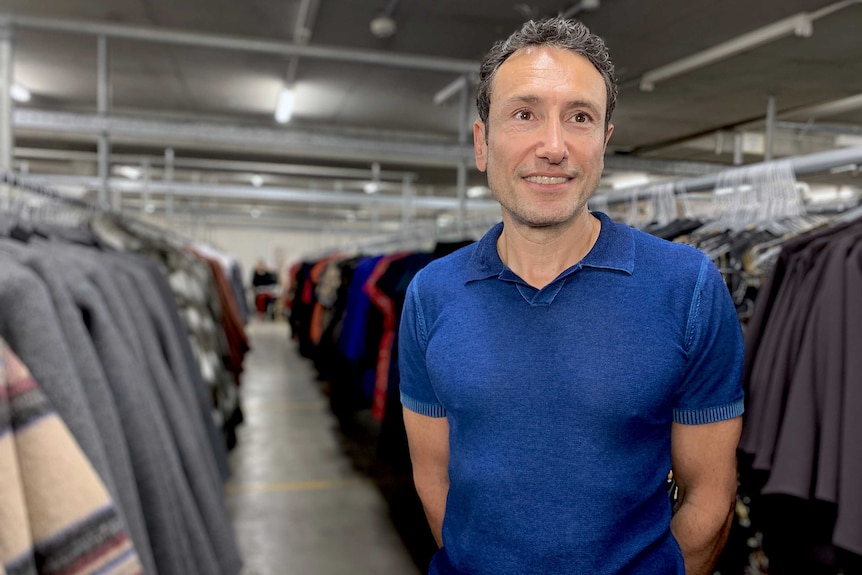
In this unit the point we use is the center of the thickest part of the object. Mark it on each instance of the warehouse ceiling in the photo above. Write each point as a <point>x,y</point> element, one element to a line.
<point>201,78</point>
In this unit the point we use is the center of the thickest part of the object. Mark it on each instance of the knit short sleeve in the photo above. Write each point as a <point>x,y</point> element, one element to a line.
<point>417,393</point>
<point>711,389</point>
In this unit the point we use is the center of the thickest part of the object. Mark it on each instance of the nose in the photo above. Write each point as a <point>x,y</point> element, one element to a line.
<point>552,143</point>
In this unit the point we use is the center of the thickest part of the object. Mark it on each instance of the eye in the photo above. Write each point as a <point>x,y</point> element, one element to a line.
<point>524,115</point>
<point>581,118</point>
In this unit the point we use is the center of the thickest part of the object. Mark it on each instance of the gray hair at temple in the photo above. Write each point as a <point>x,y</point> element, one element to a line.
<point>556,32</point>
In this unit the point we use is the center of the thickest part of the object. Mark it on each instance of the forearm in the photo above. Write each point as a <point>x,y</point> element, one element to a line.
<point>433,495</point>
<point>701,534</point>
<point>429,452</point>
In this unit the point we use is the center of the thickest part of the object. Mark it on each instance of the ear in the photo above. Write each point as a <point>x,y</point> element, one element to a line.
<point>608,134</point>
<point>480,146</point>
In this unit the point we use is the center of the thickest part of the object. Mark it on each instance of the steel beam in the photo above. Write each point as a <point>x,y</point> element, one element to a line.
<point>820,127</point>
<point>305,143</point>
<point>245,44</point>
<point>103,90</point>
<point>659,166</point>
<point>801,165</point>
<point>302,143</point>
<point>250,193</point>
<point>407,194</point>
<point>6,79</point>
<point>770,128</point>
<point>335,172</point>
<point>456,86</point>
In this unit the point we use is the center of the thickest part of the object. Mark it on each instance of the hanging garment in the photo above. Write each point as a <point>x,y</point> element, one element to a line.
<point>205,515</point>
<point>97,391</point>
<point>44,530</point>
<point>161,485</point>
<point>800,435</point>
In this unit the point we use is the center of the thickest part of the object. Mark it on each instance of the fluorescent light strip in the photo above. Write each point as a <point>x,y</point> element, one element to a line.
<point>19,93</point>
<point>284,107</point>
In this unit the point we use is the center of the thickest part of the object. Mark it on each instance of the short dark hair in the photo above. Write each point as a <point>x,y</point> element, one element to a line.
<point>557,32</point>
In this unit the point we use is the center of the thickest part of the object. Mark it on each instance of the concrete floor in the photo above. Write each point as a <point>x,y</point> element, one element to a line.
<point>298,504</point>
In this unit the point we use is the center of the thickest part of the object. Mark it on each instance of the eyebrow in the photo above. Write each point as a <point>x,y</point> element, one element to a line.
<point>533,99</point>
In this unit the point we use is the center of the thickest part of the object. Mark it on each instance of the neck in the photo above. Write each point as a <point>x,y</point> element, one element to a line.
<point>539,255</point>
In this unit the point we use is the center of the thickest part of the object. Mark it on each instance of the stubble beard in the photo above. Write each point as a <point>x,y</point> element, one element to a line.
<point>520,212</point>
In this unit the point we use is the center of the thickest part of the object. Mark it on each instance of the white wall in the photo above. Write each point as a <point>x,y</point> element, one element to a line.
<point>280,249</point>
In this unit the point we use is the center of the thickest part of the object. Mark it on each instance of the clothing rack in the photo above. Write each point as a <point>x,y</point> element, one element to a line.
<point>416,238</point>
<point>30,185</point>
<point>22,182</point>
<point>801,165</point>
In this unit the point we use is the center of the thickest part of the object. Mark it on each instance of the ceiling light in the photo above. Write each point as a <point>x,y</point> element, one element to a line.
<point>477,192</point>
<point>129,172</point>
<point>630,181</point>
<point>383,26</point>
<point>848,140</point>
<point>19,93</point>
<point>844,169</point>
<point>255,213</point>
<point>371,188</point>
<point>445,220</point>
<point>284,107</point>
<point>149,208</point>
<point>799,25</point>
<point>257,180</point>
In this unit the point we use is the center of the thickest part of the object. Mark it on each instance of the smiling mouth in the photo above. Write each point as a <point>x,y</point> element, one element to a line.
<point>547,180</point>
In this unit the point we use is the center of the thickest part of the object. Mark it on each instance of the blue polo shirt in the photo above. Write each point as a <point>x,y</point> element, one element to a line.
<point>560,401</point>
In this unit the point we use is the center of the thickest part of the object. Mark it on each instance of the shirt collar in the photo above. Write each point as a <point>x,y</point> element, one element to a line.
<point>614,250</point>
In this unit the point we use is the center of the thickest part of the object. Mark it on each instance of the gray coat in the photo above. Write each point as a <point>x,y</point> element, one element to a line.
<point>98,394</point>
<point>206,517</point>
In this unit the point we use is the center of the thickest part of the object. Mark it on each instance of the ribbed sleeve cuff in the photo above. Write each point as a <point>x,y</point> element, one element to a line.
<point>710,414</point>
<point>422,408</point>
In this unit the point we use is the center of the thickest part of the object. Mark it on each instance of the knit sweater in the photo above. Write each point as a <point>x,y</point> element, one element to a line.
<point>55,514</point>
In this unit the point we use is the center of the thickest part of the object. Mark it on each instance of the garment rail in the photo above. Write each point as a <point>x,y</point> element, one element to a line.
<point>808,164</point>
<point>133,345</point>
<point>27,184</point>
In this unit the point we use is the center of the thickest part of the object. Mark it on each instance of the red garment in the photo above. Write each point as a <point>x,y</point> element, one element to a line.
<point>261,301</point>
<point>291,288</point>
<point>384,355</point>
<point>231,318</point>
<point>316,327</point>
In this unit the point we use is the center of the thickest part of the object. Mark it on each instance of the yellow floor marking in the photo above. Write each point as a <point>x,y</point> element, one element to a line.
<point>258,407</point>
<point>234,489</point>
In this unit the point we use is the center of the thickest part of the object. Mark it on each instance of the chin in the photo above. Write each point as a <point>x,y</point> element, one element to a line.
<point>548,221</point>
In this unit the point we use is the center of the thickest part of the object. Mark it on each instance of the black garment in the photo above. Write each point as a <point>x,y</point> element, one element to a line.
<point>265,278</point>
<point>801,457</point>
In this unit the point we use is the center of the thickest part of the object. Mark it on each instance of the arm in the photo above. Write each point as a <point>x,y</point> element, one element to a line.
<point>704,467</point>
<point>428,438</point>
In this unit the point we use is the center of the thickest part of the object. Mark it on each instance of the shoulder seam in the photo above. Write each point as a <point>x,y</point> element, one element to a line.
<point>694,309</point>
<point>420,314</point>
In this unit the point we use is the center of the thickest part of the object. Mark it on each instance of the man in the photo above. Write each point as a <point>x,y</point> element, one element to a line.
<point>265,285</point>
<point>556,370</point>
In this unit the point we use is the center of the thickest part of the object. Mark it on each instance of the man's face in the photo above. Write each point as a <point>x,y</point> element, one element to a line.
<point>544,151</point>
